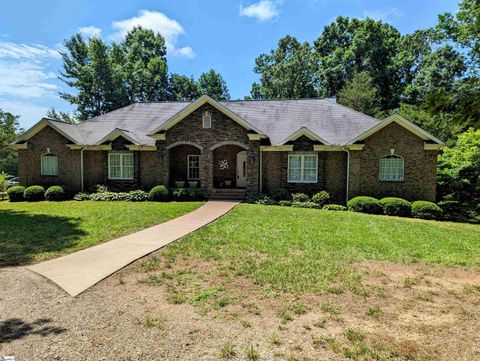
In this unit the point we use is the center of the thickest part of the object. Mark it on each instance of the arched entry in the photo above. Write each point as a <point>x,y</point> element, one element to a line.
<point>229,166</point>
<point>184,165</point>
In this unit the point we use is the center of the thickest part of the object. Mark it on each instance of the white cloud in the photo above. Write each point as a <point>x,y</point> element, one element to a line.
<point>263,11</point>
<point>170,29</point>
<point>18,51</point>
<point>29,113</point>
<point>90,31</point>
<point>386,15</point>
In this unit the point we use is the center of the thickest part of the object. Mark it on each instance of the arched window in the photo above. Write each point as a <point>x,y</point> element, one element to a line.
<point>49,164</point>
<point>391,168</point>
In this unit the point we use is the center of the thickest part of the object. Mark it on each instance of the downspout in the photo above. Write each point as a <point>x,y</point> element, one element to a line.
<point>81,168</point>
<point>348,175</point>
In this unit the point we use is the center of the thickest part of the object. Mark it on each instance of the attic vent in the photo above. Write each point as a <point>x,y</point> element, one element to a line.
<point>207,120</point>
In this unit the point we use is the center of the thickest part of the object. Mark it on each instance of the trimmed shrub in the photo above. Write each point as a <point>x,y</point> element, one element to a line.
<point>55,194</point>
<point>82,197</point>
<point>34,194</point>
<point>265,200</point>
<point>15,193</point>
<point>321,197</point>
<point>334,207</point>
<point>393,206</point>
<point>306,205</point>
<point>159,194</point>
<point>300,197</point>
<point>426,210</point>
<point>281,194</point>
<point>180,194</point>
<point>285,203</point>
<point>109,197</point>
<point>137,196</point>
<point>365,204</point>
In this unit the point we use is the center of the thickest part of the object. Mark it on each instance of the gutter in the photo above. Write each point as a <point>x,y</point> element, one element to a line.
<point>348,176</point>
<point>261,171</point>
<point>81,168</point>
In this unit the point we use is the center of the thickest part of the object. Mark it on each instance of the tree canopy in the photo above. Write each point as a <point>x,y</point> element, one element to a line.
<point>9,131</point>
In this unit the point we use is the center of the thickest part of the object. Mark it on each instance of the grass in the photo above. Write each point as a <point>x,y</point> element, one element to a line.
<point>32,232</point>
<point>307,250</point>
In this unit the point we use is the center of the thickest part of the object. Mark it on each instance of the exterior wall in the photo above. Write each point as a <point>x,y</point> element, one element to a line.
<point>331,174</point>
<point>179,163</point>
<point>94,168</point>
<point>68,161</point>
<point>123,185</point>
<point>420,166</point>
<point>224,131</point>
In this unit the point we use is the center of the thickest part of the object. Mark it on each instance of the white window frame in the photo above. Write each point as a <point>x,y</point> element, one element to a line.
<point>207,124</point>
<point>188,166</point>
<point>122,155</point>
<point>302,167</point>
<point>42,170</point>
<point>384,177</point>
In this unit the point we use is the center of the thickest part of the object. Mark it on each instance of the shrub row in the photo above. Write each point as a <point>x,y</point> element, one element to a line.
<point>393,206</point>
<point>283,197</point>
<point>282,194</point>
<point>36,194</point>
<point>158,193</point>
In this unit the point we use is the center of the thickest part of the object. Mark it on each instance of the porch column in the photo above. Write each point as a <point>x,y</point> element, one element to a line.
<point>206,169</point>
<point>253,167</point>
<point>163,165</point>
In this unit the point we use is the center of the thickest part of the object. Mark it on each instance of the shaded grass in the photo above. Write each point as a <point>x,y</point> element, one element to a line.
<point>31,232</point>
<point>310,250</point>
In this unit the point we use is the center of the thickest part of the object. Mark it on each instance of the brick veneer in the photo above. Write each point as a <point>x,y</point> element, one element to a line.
<point>420,166</point>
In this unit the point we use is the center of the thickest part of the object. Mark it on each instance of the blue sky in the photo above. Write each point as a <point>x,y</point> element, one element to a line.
<point>201,34</point>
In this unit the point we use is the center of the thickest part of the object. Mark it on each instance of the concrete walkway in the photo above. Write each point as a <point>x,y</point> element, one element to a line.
<point>80,270</point>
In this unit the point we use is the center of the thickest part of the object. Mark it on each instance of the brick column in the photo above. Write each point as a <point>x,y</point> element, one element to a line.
<point>253,167</point>
<point>163,165</point>
<point>206,169</point>
<point>354,176</point>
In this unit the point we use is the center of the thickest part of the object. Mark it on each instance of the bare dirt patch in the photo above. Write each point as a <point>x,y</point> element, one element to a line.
<point>189,309</point>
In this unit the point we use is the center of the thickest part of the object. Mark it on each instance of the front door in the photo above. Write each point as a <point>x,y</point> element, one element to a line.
<point>242,169</point>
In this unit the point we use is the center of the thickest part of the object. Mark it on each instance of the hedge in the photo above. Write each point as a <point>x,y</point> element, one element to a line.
<point>426,210</point>
<point>300,197</point>
<point>55,193</point>
<point>393,206</point>
<point>34,194</point>
<point>15,193</point>
<point>365,204</point>
<point>334,207</point>
<point>321,197</point>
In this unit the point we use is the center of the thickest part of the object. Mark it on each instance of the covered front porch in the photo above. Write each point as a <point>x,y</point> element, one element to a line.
<point>221,168</point>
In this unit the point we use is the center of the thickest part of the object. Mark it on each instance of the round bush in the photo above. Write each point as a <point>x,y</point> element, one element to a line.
<point>137,196</point>
<point>426,210</point>
<point>159,194</point>
<point>281,194</point>
<point>15,193</point>
<point>365,204</point>
<point>55,193</point>
<point>34,194</point>
<point>334,207</point>
<point>300,197</point>
<point>393,206</point>
<point>321,197</point>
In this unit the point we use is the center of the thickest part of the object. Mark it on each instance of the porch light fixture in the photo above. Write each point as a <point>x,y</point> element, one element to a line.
<point>252,158</point>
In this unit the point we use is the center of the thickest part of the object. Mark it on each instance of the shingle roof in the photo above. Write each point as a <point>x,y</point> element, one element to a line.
<point>278,119</point>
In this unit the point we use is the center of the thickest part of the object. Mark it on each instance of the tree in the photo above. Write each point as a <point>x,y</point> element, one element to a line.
<point>9,131</point>
<point>360,94</point>
<point>350,46</point>
<point>52,113</point>
<point>286,72</point>
<point>213,85</point>
<point>182,88</point>
<point>145,68</point>
<point>459,169</point>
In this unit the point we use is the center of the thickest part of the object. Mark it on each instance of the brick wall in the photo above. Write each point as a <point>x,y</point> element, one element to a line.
<point>68,161</point>
<point>420,166</point>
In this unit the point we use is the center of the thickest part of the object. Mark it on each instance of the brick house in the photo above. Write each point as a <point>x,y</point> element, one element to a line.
<point>254,146</point>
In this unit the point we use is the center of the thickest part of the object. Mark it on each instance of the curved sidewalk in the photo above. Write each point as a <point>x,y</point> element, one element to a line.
<point>80,270</point>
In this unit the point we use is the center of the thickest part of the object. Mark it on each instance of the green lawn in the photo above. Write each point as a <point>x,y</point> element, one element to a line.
<point>30,232</point>
<point>295,249</point>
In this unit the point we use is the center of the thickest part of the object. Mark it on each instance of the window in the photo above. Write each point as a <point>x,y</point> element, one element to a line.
<point>302,168</point>
<point>120,166</point>
<point>391,168</point>
<point>207,120</point>
<point>49,164</point>
<point>193,171</point>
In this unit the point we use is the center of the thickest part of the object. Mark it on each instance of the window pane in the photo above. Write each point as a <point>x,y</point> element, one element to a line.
<point>49,164</point>
<point>309,175</point>
<point>294,175</point>
<point>391,168</point>
<point>295,161</point>
<point>127,166</point>
<point>193,167</point>
<point>310,162</point>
